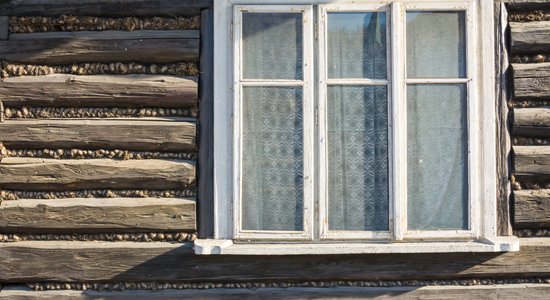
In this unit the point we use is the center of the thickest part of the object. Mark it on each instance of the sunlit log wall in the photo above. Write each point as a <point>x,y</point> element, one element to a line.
<point>99,126</point>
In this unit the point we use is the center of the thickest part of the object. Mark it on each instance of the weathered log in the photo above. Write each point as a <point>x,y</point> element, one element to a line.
<point>526,5</point>
<point>61,90</point>
<point>168,134</point>
<point>109,35</point>
<point>532,122</point>
<point>531,81</point>
<point>532,162</point>
<point>206,128</point>
<point>532,208</point>
<point>530,37</point>
<point>93,215</point>
<point>64,175</point>
<point>490,292</point>
<point>4,27</point>
<point>502,92</point>
<point>104,8</point>
<point>127,261</point>
<point>115,46</point>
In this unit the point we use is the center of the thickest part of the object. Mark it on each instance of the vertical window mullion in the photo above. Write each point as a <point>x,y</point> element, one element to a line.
<point>399,120</point>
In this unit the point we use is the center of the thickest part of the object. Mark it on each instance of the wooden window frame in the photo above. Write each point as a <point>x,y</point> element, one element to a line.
<point>482,138</point>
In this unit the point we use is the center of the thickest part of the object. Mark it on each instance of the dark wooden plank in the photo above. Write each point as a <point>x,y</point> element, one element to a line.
<point>4,27</point>
<point>104,8</point>
<point>206,128</point>
<point>61,90</point>
<point>531,81</point>
<point>109,35</point>
<point>97,215</point>
<point>532,162</point>
<point>532,122</point>
<point>35,49</point>
<point>504,144</point>
<point>155,134</point>
<point>525,5</point>
<point>532,208</point>
<point>491,292</point>
<point>64,175</point>
<point>530,37</point>
<point>127,262</point>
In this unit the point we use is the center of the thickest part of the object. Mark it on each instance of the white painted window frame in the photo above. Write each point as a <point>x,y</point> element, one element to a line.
<point>322,138</point>
<point>308,109</point>
<point>482,239</point>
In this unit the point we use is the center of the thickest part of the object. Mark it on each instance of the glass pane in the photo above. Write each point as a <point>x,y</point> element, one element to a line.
<point>357,45</point>
<point>358,158</point>
<point>272,46</point>
<point>436,45</point>
<point>272,158</point>
<point>437,157</point>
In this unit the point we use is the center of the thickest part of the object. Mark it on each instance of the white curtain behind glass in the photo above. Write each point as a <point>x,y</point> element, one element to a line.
<point>357,123</point>
<point>437,194</point>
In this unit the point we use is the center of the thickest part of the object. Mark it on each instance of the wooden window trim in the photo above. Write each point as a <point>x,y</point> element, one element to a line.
<point>485,237</point>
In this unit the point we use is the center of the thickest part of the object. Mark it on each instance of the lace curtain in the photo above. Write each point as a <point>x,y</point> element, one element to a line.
<point>272,141</point>
<point>437,117</point>
<point>357,123</point>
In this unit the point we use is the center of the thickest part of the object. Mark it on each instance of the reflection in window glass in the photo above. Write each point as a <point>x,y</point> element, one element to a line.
<point>358,188</point>
<point>357,45</point>
<point>437,157</point>
<point>272,159</point>
<point>272,46</point>
<point>436,45</point>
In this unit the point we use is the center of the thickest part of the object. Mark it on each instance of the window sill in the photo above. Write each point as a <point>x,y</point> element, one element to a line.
<point>227,247</point>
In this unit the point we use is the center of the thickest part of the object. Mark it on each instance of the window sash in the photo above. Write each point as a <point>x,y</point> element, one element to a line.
<point>308,107</point>
<point>396,82</point>
<point>401,232</point>
<point>324,83</point>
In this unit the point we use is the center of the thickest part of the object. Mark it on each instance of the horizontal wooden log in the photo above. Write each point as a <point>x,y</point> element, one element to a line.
<point>532,162</point>
<point>158,134</point>
<point>64,175</point>
<point>530,37</point>
<point>490,292</point>
<point>130,261</point>
<point>104,8</point>
<point>532,122</point>
<point>62,90</point>
<point>47,48</point>
<point>531,81</point>
<point>532,208</point>
<point>109,35</point>
<point>525,5</point>
<point>93,215</point>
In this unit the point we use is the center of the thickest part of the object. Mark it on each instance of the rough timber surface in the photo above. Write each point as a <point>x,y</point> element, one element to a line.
<point>61,90</point>
<point>206,128</point>
<point>531,81</point>
<point>131,261</point>
<point>489,292</point>
<point>168,134</point>
<point>91,215</point>
<point>36,49</point>
<point>532,122</point>
<point>65,175</point>
<point>532,208</point>
<point>103,8</point>
<point>532,162</point>
<point>530,37</point>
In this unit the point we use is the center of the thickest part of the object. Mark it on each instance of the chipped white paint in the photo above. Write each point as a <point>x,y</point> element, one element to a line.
<point>481,237</point>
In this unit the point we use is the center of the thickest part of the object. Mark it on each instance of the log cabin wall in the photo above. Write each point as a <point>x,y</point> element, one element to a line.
<point>100,159</point>
<point>530,105</point>
<point>98,135</point>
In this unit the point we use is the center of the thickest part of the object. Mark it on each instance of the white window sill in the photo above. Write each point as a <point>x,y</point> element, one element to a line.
<point>227,247</point>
